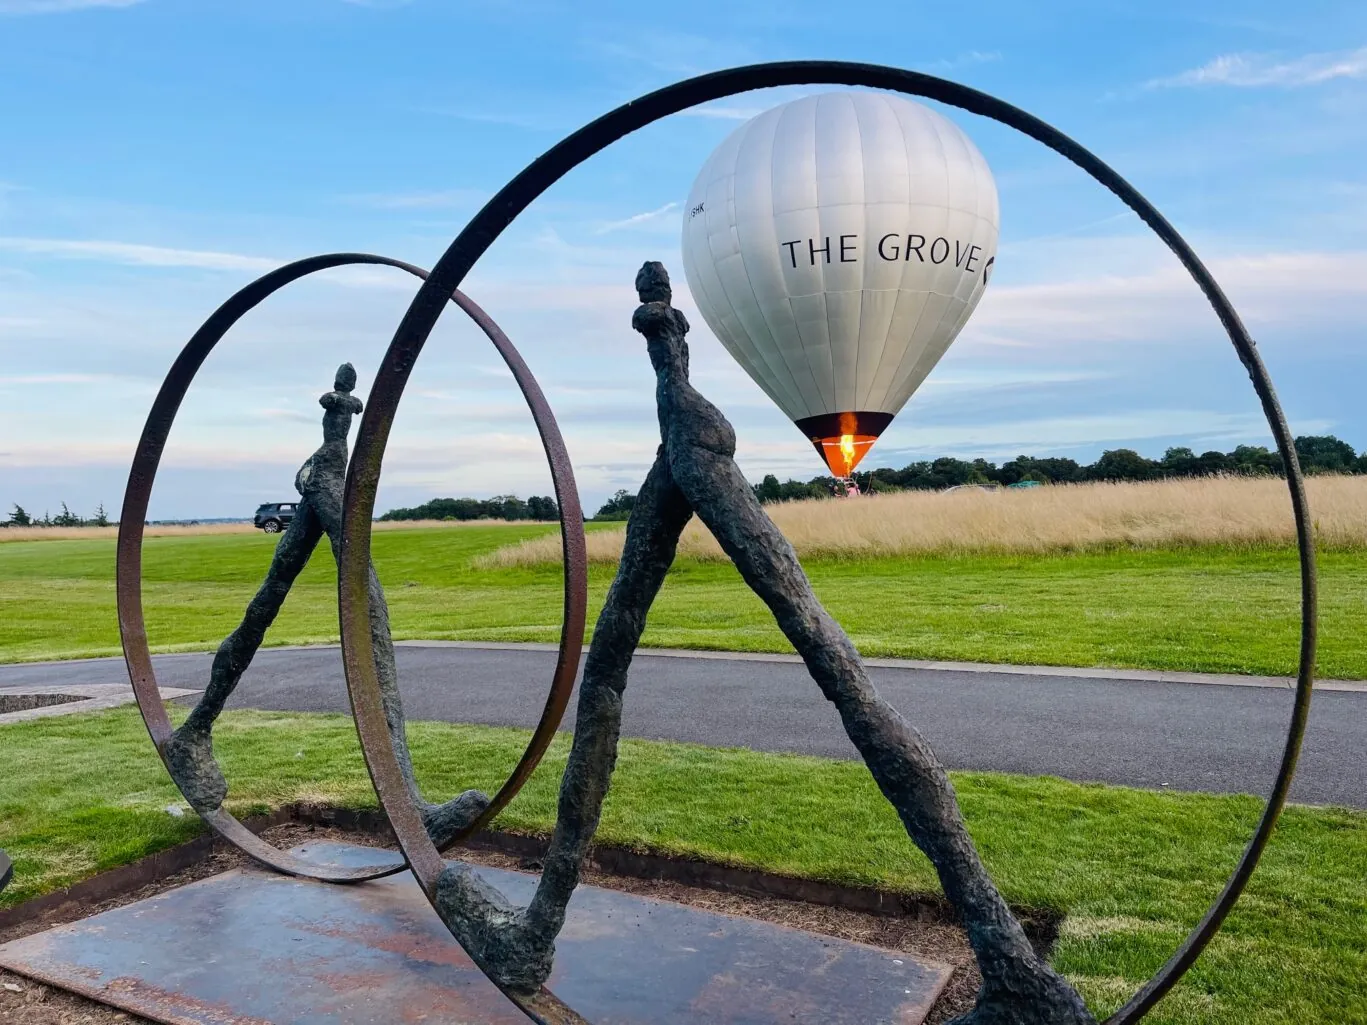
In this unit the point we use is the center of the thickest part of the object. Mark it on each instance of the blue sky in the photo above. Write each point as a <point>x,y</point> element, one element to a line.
<point>155,155</point>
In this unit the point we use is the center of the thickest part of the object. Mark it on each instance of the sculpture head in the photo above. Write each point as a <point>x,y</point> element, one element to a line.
<point>345,381</point>
<point>652,283</point>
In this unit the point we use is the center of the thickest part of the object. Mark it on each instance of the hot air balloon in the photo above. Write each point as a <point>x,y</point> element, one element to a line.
<point>836,245</point>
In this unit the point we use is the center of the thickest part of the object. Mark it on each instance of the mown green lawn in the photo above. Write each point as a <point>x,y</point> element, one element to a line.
<point>1216,610</point>
<point>1132,870</point>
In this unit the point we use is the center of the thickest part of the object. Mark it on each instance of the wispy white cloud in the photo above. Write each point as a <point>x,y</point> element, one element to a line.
<point>746,111</point>
<point>133,254</point>
<point>444,199</point>
<point>753,104</point>
<point>670,52</point>
<point>966,379</point>
<point>1252,70</point>
<point>723,113</point>
<point>28,380</point>
<point>301,415</point>
<point>532,121</point>
<point>965,60</point>
<point>1079,229</point>
<point>1267,288</point>
<point>636,220</point>
<point>57,6</point>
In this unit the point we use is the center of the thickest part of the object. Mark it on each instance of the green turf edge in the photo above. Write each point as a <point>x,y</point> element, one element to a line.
<point>1132,870</point>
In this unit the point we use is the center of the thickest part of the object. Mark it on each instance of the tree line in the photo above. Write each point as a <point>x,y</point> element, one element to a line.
<point>500,507</point>
<point>1317,454</point>
<point>19,517</point>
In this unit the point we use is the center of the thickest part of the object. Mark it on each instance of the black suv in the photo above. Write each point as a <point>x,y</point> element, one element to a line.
<point>273,517</point>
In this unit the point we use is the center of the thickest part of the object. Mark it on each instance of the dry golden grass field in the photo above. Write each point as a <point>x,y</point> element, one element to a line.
<point>1218,511</point>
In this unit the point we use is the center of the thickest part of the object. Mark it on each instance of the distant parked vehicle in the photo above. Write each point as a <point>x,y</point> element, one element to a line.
<point>273,517</point>
<point>1024,484</point>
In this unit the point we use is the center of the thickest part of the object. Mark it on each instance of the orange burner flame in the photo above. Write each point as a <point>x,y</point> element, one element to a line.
<point>844,439</point>
<point>843,452</point>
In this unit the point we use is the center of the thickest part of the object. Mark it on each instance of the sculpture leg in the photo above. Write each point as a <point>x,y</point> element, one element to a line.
<point>657,521</point>
<point>517,946</point>
<point>442,820</point>
<point>1018,986</point>
<point>189,753</point>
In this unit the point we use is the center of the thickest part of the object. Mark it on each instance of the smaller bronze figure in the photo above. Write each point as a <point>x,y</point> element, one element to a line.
<point>320,483</point>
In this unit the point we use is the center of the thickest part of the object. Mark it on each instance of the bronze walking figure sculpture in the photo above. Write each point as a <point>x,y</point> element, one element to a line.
<point>694,472</point>
<point>189,751</point>
<point>518,194</point>
<point>189,757</point>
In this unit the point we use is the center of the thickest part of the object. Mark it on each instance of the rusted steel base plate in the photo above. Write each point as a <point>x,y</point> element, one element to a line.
<point>249,946</point>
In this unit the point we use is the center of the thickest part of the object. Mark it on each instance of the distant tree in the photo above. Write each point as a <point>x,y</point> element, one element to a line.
<point>769,489</point>
<point>1122,464</point>
<point>952,471</point>
<point>1256,461</point>
<point>542,507</point>
<point>618,507</point>
<point>67,518</point>
<point>1325,454</point>
<point>1209,464</point>
<point>101,519</point>
<point>1059,470</point>
<point>509,507</point>
<point>19,518</point>
<point>980,472</point>
<point>942,473</point>
<point>1178,462</point>
<point>1015,470</point>
<point>817,487</point>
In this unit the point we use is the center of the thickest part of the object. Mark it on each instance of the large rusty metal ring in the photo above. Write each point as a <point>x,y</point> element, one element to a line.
<point>513,198</point>
<point>132,626</point>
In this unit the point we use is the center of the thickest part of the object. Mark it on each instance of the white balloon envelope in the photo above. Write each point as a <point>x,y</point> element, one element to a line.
<point>836,245</point>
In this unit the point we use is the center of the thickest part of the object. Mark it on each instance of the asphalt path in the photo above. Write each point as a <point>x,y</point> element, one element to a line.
<point>1178,736</point>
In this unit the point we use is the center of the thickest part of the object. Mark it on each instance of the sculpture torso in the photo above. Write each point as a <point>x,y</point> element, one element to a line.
<point>339,406</point>
<point>683,411</point>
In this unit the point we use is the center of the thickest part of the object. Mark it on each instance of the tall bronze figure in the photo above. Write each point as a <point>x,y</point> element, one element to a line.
<point>189,752</point>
